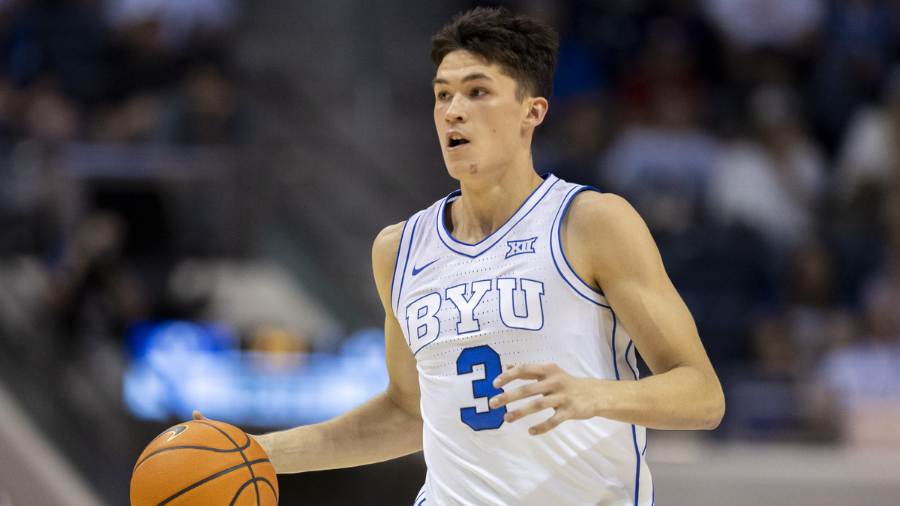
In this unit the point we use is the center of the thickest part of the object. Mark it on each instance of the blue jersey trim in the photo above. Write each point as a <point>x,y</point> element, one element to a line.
<point>420,495</point>
<point>615,359</point>
<point>633,368</point>
<point>441,226</point>
<point>592,301</point>
<point>420,499</point>
<point>627,349</point>
<point>412,236</point>
<point>568,202</point>
<point>397,263</point>
<point>637,466</point>
<point>634,372</point>
<point>458,192</point>
<point>637,452</point>
<point>588,293</point>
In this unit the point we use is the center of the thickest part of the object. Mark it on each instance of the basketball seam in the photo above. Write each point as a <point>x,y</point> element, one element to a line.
<point>271,487</point>
<point>254,480</point>
<point>208,479</point>
<point>246,462</point>
<point>190,447</point>
<point>267,482</point>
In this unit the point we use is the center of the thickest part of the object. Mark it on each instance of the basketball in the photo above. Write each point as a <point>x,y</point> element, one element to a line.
<point>203,462</point>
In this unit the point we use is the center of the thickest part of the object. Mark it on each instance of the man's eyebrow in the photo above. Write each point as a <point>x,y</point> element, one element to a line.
<point>470,77</point>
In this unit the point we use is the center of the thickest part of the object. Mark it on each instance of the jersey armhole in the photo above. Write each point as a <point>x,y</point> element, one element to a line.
<point>403,253</point>
<point>563,267</point>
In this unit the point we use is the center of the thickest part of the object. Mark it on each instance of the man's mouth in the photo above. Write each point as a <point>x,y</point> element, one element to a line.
<point>456,140</point>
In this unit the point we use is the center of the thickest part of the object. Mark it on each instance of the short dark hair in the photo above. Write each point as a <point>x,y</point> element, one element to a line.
<point>524,48</point>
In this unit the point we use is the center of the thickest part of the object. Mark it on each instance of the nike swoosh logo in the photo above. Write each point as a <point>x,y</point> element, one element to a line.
<point>416,271</point>
<point>175,432</point>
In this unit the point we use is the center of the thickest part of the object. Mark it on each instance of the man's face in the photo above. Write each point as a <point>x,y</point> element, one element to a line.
<point>480,122</point>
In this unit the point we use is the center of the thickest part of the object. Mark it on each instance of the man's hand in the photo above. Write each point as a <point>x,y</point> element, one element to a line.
<point>571,398</point>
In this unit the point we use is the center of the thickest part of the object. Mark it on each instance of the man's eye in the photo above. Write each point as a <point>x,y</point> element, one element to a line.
<point>443,95</point>
<point>477,92</point>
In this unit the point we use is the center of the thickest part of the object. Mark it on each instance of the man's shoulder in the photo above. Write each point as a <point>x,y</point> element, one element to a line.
<point>388,240</point>
<point>595,212</point>
<point>603,231</point>
<point>384,248</point>
<point>390,234</point>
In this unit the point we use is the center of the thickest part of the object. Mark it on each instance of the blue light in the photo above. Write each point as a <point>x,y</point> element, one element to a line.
<point>177,367</point>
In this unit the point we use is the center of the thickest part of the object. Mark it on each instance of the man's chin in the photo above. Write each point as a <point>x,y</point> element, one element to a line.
<point>462,169</point>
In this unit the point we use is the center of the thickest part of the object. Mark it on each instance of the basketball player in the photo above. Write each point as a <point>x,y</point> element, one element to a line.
<point>514,311</point>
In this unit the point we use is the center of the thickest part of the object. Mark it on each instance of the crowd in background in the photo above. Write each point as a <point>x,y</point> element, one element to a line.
<point>103,72</point>
<point>758,138</point>
<point>82,258</point>
<point>117,71</point>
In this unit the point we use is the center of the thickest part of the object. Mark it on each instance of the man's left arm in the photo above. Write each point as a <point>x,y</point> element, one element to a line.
<point>608,244</point>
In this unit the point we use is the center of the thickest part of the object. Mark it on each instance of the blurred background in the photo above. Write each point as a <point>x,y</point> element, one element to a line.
<point>189,191</point>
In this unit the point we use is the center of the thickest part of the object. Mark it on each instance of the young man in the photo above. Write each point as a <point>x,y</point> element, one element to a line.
<point>513,311</point>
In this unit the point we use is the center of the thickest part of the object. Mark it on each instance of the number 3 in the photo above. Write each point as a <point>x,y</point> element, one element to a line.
<point>481,388</point>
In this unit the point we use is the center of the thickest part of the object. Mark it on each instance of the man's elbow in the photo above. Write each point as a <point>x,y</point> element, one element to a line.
<point>715,410</point>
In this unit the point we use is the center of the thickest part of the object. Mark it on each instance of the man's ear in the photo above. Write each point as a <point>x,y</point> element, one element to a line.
<point>537,110</point>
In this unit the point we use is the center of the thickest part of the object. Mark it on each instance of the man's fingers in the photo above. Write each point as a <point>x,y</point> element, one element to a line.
<point>550,401</point>
<point>196,415</point>
<point>549,424</point>
<point>522,392</point>
<point>526,371</point>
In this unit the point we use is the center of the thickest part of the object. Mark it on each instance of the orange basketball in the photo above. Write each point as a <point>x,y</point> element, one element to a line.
<point>204,462</point>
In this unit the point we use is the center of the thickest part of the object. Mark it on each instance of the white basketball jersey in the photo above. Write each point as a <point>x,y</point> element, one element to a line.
<point>470,310</point>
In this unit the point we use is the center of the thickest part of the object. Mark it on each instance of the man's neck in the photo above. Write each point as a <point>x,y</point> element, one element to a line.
<point>485,207</point>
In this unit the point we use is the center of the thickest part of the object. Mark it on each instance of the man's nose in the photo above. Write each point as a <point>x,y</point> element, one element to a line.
<point>455,111</point>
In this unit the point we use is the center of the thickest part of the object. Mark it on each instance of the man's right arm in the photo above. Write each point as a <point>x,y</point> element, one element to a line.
<point>385,427</point>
